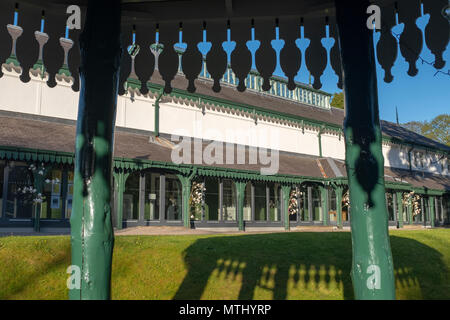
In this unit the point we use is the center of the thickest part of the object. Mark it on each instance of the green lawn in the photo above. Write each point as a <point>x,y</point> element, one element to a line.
<point>250,266</point>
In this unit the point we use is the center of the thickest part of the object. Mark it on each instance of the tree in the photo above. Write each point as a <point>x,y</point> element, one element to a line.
<point>415,126</point>
<point>437,129</point>
<point>338,100</point>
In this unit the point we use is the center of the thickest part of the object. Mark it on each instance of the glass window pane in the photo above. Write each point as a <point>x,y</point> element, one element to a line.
<point>152,196</point>
<point>19,203</point>
<point>332,210</point>
<point>316,205</point>
<point>212,199</point>
<point>69,196</point>
<point>173,198</point>
<point>248,202</point>
<point>390,205</point>
<point>260,202</point>
<point>229,201</point>
<point>274,202</point>
<point>303,203</point>
<point>131,197</point>
<point>52,204</point>
<point>2,167</point>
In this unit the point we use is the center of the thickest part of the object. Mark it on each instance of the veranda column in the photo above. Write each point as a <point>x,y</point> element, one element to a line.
<point>240,188</point>
<point>186,193</point>
<point>372,266</point>
<point>324,204</point>
<point>338,190</point>
<point>400,209</point>
<point>432,213</point>
<point>92,235</point>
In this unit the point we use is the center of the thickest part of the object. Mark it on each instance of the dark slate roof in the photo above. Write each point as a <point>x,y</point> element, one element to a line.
<point>398,132</point>
<point>289,107</point>
<point>27,131</point>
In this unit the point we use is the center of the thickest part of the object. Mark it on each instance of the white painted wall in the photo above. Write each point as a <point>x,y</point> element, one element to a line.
<point>35,97</point>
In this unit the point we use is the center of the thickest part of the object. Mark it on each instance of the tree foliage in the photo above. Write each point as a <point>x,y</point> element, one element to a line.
<point>338,100</point>
<point>437,129</point>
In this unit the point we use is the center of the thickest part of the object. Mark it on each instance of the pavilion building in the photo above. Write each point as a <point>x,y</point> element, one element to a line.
<point>286,166</point>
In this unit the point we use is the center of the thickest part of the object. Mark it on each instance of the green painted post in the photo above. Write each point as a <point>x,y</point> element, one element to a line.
<point>319,136</point>
<point>92,235</point>
<point>240,188</point>
<point>120,178</point>
<point>400,209</point>
<point>156,105</point>
<point>432,213</point>
<point>286,190</point>
<point>339,191</point>
<point>372,266</point>
<point>186,183</point>
<point>324,202</point>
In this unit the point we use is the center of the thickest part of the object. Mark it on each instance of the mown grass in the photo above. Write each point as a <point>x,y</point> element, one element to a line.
<point>249,266</point>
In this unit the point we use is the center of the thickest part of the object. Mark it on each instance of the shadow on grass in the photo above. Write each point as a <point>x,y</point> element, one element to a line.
<point>304,259</point>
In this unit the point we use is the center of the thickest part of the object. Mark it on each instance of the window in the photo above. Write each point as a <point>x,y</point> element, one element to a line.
<point>274,202</point>
<point>229,202</point>
<point>69,196</point>
<point>316,204</point>
<point>19,205</point>
<point>52,205</point>
<point>332,205</point>
<point>131,197</point>
<point>390,205</point>
<point>152,196</point>
<point>173,200</point>
<point>260,202</point>
<point>211,199</point>
<point>303,204</point>
<point>2,169</point>
<point>248,202</point>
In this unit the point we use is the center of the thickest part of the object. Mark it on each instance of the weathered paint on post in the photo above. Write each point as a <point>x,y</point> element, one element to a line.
<point>286,190</point>
<point>372,267</point>
<point>92,236</point>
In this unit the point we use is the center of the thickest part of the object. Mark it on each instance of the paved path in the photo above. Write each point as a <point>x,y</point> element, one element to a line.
<point>166,230</point>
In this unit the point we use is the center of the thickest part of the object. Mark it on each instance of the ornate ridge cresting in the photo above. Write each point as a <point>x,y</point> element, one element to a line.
<point>52,52</point>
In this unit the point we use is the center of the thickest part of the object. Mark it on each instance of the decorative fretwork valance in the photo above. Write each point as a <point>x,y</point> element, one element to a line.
<point>35,38</point>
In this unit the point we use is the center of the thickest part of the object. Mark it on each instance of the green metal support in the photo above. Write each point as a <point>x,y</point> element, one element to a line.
<point>319,136</point>
<point>240,190</point>
<point>186,182</point>
<point>400,209</point>
<point>410,211</point>
<point>39,175</point>
<point>338,190</point>
<point>120,178</point>
<point>432,213</point>
<point>286,190</point>
<point>372,266</point>
<point>92,235</point>
<point>324,202</point>
<point>156,105</point>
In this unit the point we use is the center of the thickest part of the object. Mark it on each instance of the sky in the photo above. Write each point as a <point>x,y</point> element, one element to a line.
<point>418,98</point>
